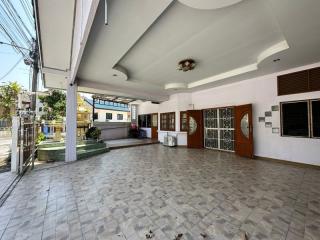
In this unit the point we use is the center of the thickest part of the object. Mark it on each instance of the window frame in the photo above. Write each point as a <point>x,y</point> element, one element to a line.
<point>119,114</point>
<point>167,127</point>
<point>109,118</point>
<point>310,118</point>
<point>181,114</point>
<point>145,120</point>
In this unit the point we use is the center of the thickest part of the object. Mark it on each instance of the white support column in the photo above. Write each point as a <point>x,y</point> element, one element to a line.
<point>14,144</point>
<point>71,123</point>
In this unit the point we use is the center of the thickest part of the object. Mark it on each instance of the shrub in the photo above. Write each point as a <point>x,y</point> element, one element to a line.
<point>93,133</point>
<point>41,137</point>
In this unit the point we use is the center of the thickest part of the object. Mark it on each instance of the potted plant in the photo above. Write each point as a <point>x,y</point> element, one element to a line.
<point>93,133</point>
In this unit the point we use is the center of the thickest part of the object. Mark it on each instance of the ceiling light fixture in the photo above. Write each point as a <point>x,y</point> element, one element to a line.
<point>186,65</point>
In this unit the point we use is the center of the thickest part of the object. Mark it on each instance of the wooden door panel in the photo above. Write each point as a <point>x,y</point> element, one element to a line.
<point>195,129</point>
<point>154,126</point>
<point>244,131</point>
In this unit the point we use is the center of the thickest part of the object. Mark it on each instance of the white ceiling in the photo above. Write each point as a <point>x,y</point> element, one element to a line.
<point>56,27</point>
<point>145,40</point>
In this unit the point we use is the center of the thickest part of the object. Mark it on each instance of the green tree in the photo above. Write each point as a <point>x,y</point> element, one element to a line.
<point>8,97</point>
<point>54,105</point>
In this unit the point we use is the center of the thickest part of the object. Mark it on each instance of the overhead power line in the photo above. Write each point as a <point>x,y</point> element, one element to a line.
<point>28,11</point>
<point>14,29</point>
<point>11,69</point>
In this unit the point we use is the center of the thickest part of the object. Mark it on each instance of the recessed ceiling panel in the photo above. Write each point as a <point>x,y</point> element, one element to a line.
<point>209,4</point>
<point>219,41</point>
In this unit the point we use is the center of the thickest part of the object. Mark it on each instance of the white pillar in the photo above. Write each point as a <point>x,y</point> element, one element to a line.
<point>14,144</point>
<point>71,123</point>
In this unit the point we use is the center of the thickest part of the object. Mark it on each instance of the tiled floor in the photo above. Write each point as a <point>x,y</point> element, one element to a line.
<point>201,194</point>
<point>6,178</point>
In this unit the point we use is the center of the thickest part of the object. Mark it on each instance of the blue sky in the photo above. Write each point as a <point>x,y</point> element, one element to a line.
<point>9,57</point>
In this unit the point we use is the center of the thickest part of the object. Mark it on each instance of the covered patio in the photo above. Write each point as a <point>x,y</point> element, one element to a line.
<point>232,84</point>
<point>200,194</point>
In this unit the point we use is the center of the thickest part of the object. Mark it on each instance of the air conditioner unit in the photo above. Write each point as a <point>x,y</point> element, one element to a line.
<point>165,140</point>
<point>170,141</point>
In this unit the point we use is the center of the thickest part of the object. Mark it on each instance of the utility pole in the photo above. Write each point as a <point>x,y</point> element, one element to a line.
<point>34,54</point>
<point>93,108</point>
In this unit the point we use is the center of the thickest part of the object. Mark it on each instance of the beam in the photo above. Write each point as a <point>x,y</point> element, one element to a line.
<point>64,73</point>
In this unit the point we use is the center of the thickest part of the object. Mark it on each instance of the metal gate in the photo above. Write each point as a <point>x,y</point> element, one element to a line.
<point>24,135</point>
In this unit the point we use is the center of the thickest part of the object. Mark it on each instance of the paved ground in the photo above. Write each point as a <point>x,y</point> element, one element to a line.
<point>127,192</point>
<point>6,178</point>
<point>4,153</point>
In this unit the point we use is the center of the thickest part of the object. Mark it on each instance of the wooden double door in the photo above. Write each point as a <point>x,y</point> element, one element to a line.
<point>243,130</point>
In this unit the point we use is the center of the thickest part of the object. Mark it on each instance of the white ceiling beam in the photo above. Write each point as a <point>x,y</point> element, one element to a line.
<point>55,71</point>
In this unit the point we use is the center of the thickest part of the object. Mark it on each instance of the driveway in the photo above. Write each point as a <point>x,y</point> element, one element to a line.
<point>5,143</point>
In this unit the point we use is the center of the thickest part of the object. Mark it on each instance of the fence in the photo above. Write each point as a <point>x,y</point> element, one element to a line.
<point>24,135</point>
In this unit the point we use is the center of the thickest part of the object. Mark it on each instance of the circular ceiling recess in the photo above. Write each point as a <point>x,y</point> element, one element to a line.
<point>209,4</point>
<point>175,86</point>
<point>119,73</point>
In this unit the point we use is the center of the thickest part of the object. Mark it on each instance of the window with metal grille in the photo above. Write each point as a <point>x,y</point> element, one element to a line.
<point>219,128</point>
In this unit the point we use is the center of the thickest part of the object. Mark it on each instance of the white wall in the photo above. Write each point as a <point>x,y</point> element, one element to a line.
<point>176,103</point>
<point>262,93</point>
<point>102,115</point>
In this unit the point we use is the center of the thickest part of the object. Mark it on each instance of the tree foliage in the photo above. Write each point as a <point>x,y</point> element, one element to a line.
<point>8,97</point>
<point>54,105</point>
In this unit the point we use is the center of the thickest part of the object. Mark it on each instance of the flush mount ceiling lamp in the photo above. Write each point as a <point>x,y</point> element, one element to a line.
<point>186,65</point>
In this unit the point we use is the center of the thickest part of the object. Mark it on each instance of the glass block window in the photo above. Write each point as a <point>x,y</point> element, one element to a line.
<point>219,129</point>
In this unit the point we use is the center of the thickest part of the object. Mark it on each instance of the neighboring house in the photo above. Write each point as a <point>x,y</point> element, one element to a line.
<point>84,113</point>
<point>23,101</point>
<point>39,105</point>
<point>56,129</point>
<point>108,111</point>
